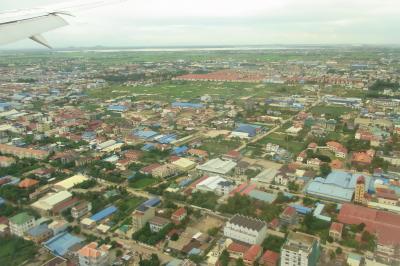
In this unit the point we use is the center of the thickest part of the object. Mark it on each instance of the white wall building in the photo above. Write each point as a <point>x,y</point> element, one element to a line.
<point>245,229</point>
<point>300,250</point>
<point>21,223</point>
<point>91,255</point>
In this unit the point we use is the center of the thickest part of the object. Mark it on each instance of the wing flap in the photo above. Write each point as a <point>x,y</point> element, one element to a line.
<point>14,31</point>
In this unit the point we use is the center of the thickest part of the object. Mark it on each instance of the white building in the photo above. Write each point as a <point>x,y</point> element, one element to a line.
<point>217,166</point>
<point>92,255</point>
<point>21,223</point>
<point>216,184</point>
<point>245,229</point>
<point>300,249</point>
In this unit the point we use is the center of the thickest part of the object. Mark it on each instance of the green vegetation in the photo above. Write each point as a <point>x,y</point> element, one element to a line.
<point>246,206</point>
<point>330,111</point>
<point>285,141</point>
<point>142,182</point>
<point>273,243</point>
<point>219,145</point>
<point>206,200</point>
<point>15,251</point>
<point>153,261</point>
<point>145,235</point>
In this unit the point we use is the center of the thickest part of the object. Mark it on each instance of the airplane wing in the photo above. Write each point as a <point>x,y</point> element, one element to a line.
<point>16,25</point>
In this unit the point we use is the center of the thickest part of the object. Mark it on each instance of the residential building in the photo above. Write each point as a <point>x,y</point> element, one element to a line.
<point>39,233</point>
<point>288,216</point>
<point>158,223</point>
<point>269,258</point>
<point>179,215</point>
<point>252,255</point>
<point>92,255</point>
<point>337,148</point>
<point>335,231</point>
<point>359,192</point>
<point>23,152</point>
<point>81,209</point>
<point>21,223</point>
<point>300,249</point>
<point>141,216</point>
<point>245,229</point>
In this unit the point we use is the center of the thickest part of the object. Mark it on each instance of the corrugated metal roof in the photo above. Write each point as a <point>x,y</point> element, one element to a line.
<point>104,213</point>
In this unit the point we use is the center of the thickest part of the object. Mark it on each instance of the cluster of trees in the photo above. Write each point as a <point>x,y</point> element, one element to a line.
<point>87,184</point>
<point>273,243</point>
<point>145,235</point>
<point>250,207</point>
<point>15,250</point>
<point>152,261</point>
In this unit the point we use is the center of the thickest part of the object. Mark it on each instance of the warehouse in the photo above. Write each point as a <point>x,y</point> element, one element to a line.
<point>184,164</point>
<point>62,243</point>
<point>70,182</point>
<point>47,204</point>
<point>101,215</point>
<point>217,166</point>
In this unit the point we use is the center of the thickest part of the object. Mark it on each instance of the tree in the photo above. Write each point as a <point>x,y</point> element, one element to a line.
<point>339,251</point>
<point>119,253</point>
<point>153,261</point>
<point>224,258</point>
<point>325,169</point>
<point>239,262</point>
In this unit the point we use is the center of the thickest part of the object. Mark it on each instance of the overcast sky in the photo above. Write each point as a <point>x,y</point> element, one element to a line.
<point>225,22</point>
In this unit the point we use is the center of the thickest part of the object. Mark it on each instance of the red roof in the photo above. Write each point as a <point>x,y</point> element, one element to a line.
<point>337,227</point>
<point>270,257</point>
<point>27,183</point>
<point>237,247</point>
<point>385,225</point>
<point>289,211</point>
<point>179,212</point>
<point>252,253</point>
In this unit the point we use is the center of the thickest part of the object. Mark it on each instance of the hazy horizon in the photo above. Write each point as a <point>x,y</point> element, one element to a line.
<point>156,23</point>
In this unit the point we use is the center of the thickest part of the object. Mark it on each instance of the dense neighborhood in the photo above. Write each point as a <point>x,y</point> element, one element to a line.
<point>259,157</point>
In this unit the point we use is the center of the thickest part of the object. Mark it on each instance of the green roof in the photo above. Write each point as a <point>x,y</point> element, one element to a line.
<point>21,218</point>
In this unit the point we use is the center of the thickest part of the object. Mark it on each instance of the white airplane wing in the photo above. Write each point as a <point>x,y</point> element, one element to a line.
<point>16,25</point>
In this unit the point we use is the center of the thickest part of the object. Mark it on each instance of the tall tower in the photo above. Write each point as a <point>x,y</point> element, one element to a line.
<point>359,193</point>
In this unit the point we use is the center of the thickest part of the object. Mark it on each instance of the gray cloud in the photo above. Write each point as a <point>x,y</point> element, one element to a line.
<point>212,22</point>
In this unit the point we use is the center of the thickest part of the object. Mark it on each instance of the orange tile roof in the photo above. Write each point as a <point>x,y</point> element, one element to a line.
<point>27,183</point>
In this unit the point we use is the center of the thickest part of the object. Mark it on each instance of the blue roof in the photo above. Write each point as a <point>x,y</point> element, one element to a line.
<point>251,131</point>
<point>2,201</point>
<point>148,147</point>
<point>38,230</point>
<point>187,105</point>
<point>117,108</point>
<point>301,209</point>
<point>104,213</point>
<point>185,182</point>
<point>145,134</point>
<point>166,139</point>
<point>61,243</point>
<point>337,186</point>
<point>152,202</point>
<point>180,150</point>
<point>263,196</point>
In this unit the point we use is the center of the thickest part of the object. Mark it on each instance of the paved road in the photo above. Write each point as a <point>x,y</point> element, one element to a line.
<point>259,137</point>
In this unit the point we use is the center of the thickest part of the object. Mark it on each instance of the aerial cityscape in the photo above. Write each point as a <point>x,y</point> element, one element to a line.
<point>200,157</point>
<point>175,143</point>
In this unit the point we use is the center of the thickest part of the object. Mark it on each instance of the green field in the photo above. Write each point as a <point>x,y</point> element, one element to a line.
<point>187,90</point>
<point>142,182</point>
<point>219,146</point>
<point>283,141</point>
<point>15,251</point>
<point>330,111</point>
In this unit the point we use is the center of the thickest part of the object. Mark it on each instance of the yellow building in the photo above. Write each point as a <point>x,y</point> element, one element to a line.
<point>359,193</point>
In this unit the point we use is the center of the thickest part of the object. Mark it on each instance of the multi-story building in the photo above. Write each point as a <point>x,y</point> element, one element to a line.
<point>23,152</point>
<point>21,223</point>
<point>92,255</point>
<point>245,229</point>
<point>359,191</point>
<point>81,209</point>
<point>141,216</point>
<point>300,249</point>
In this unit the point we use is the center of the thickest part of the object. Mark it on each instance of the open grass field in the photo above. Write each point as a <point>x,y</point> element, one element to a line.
<point>143,182</point>
<point>15,251</point>
<point>280,139</point>
<point>333,111</point>
<point>187,90</point>
<point>218,146</point>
